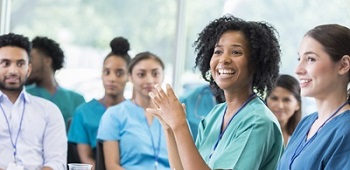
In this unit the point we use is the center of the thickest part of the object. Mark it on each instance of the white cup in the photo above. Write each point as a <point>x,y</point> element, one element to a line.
<point>78,166</point>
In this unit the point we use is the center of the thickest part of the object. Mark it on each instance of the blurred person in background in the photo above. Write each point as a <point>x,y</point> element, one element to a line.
<point>198,101</point>
<point>284,101</point>
<point>132,138</point>
<point>84,126</point>
<point>46,58</point>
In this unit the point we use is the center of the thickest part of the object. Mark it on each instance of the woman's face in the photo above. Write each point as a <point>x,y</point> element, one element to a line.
<point>145,74</point>
<point>316,71</point>
<point>282,103</point>
<point>114,75</point>
<point>229,63</point>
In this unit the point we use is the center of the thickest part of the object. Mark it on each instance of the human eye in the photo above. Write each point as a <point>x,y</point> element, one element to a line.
<point>105,72</point>
<point>310,59</point>
<point>120,73</point>
<point>286,100</point>
<point>140,75</point>
<point>236,52</point>
<point>156,74</point>
<point>20,63</point>
<point>274,98</point>
<point>4,63</point>
<point>217,51</point>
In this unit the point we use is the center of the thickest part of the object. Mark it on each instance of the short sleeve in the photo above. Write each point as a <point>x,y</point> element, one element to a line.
<point>77,131</point>
<point>109,127</point>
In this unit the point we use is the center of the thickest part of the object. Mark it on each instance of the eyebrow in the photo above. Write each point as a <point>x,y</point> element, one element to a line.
<point>309,52</point>
<point>20,60</point>
<point>234,45</point>
<point>144,70</point>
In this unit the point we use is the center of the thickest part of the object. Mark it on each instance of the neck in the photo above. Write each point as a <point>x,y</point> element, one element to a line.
<point>235,100</point>
<point>109,100</point>
<point>12,95</point>
<point>49,83</point>
<point>144,102</point>
<point>283,126</point>
<point>327,106</point>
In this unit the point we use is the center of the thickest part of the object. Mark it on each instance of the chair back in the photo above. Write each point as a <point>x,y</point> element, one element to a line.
<point>100,159</point>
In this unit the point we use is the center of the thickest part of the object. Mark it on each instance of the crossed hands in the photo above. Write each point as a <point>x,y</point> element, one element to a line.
<point>169,110</point>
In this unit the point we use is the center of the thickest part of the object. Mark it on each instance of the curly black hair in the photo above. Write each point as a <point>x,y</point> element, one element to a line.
<point>262,43</point>
<point>15,40</point>
<point>120,47</point>
<point>50,48</point>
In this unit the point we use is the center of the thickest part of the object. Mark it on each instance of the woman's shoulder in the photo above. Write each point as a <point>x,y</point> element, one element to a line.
<point>218,108</point>
<point>120,109</point>
<point>258,111</point>
<point>340,122</point>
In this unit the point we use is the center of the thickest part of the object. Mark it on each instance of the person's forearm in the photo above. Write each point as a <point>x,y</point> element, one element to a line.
<point>89,160</point>
<point>173,153</point>
<point>114,167</point>
<point>188,153</point>
<point>46,168</point>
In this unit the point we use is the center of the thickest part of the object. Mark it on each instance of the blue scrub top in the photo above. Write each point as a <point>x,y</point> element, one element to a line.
<point>127,124</point>
<point>84,126</point>
<point>329,149</point>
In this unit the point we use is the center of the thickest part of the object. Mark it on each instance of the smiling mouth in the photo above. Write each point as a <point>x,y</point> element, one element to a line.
<point>305,81</point>
<point>225,73</point>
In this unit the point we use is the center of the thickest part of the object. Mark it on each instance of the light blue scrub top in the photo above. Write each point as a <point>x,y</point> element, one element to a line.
<point>198,103</point>
<point>329,150</point>
<point>84,126</point>
<point>126,123</point>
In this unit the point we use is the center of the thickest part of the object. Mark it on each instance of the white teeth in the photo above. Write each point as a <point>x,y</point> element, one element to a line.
<point>305,81</point>
<point>225,71</point>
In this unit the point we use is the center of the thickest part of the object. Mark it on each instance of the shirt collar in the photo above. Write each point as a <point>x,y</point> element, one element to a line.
<point>23,94</point>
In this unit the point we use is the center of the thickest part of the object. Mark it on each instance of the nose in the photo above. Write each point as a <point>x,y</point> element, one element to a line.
<point>149,79</point>
<point>300,68</point>
<point>112,77</point>
<point>280,104</point>
<point>13,69</point>
<point>225,59</point>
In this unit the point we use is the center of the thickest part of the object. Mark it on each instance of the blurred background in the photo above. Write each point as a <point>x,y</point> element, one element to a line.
<point>167,28</point>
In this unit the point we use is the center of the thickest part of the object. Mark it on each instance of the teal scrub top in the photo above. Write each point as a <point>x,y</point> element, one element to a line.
<point>253,140</point>
<point>126,123</point>
<point>198,103</point>
<point>85,122</point>
<point>66,100</point>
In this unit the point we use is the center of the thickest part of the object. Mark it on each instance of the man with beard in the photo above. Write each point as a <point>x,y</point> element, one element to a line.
<point>32,130</point>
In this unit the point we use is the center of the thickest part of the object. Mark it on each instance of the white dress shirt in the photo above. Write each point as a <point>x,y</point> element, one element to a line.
<point>42,138</point>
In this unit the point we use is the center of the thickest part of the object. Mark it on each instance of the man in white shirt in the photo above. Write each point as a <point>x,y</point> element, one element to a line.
<point>32,129</point>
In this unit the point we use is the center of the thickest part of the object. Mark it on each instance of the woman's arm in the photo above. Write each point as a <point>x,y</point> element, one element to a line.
<point>173,153</point>
<point>86,154</point>
<point>173,114</point>
<point>188,152</point>
<point>111,154</point>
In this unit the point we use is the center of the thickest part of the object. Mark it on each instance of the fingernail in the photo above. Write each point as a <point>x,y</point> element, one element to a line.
<point>151,94</point>
<point>168,86</point>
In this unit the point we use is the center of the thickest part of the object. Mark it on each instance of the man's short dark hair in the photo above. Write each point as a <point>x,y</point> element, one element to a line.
<point>50,48</point>
<point>15,40</point>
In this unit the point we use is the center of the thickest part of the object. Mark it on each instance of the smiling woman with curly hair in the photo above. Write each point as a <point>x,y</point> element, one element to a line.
<point>240,59</point>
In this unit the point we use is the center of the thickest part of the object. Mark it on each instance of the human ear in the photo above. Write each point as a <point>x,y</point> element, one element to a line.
<point>344,64</point>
